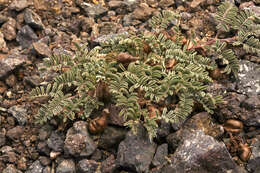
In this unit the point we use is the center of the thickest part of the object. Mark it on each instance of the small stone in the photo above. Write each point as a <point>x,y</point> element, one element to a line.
<point>45,161</point>
<point>251,103</point>
<point>196,3</point>
<point>166,3</point>
<point>20,113</point>
<point>2,137</point>
<point>26,36</point>
<point>89,166</point>
<point>93,10</point>
<point>11,80</point>
<point>9,29</point>
<point>15,133</point>
<point>36,167</point>
<point>109,165</point>
<point>3,47</point>
<point>21,164</point>
<point>10,62</point>
<point>11,169</point>
<point>54,155</point>
<point>18,5</point>
<point>42,49</point>
<point>143,12</point>
<point>3,88</point>
<point>55,142</point>
<point>66,166</point>
<point>160,155</point>
<point>33,19</point>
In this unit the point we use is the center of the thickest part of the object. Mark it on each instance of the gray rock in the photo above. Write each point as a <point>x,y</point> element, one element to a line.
<point>33,19</point>
<point>254,160</point>
<point>109,165</point>
<point>93,10</point>
<point>78,142</point>
<point>9,29</point>
<point>89,166</point>
<point>19,113</point>
<point>18,5</point>
<point>252,102</point>
<point>200,153</point>
<point>47,169</point>
<point>26,36</point>
<point>66,166</point>
<point>111,137</point>
<point>55,142</point>
<point>136,151</point>
<point>42,147</point>
<point>131,4</point>
<point>142,12</point>
<point>15,132</point>
<point>248,78</point>
<point>12,61</point>
<point>11,169</point>
<point>3,19</point>
<point>160,155</point>
<point>36,167</point>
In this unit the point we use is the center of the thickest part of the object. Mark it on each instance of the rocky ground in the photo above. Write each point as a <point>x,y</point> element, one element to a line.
<point>228,141</point>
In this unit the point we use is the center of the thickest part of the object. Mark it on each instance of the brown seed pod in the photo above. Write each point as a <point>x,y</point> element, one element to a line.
<point>98,124</point>
<point>215,74</point>
<point>170,63</point>
<point>147,48</point>
<point>245,152</point>
<point>153,111</point>
<point>125,57</point>
<point>233,126</point>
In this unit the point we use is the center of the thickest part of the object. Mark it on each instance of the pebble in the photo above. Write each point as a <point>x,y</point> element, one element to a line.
<point>9,29</point>
<point>33,19</point>
<point>18,5</point>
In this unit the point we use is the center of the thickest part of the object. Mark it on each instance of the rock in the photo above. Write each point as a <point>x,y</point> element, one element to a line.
<point>254,160</point>
<point>248,78</point>
<point>201,153</point>
<point>12,61</point>
<point>131,153</point>
<point>142,12</point>
<point>166,3</point>
<point>3,46</point>
<point>15,132</point>
<point>66,166</point>
<point>42,49</point>
<point>11,169</point>
<point>18,5</point>
<point>9,29</point>
<point>26,36</point>
<point>11,80</point>
<point>42,147</point>
<point>20,114</point>
<point>3,88</point>
<point>8,154</point>
<point>89,166</point>
<point>163,130</point>
<point>111,137</point>
<point>196,3</point>
<point>108,165</point>
<point>45,161</point>
<point>2,137</point>
<point>93,10</point>
<point>87,23</point>
<point>33,19</point>
<point>36,167</point>
<point>108,28</point>
<point>78,142</point>
<point>55,142</point>
<point>44,132</point>
<point>21,164</point>
<point>160,155</point>
<point>47,169</point>
<point>251,103</point>
<point>114,4</point>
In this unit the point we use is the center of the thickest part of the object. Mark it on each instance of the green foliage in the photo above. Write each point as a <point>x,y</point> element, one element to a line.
<point>95,78</point>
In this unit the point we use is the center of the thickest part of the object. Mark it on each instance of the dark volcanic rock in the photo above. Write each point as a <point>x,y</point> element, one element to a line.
<point>36,167</point>
<point>93,10</point>
<point>200,153</point>
<point>111,137</point>
<point>20,114</point>
<point>254,160</point>
<point>55,142</point>
<point>26,36</point>
<point>136,151</point>
<point>249,78</point>
<point>33,19</point>
<point>89,166</point>
<point>109,165</point>
<point>66,166</point>
<point>160,155</point>
<point>78,142</point>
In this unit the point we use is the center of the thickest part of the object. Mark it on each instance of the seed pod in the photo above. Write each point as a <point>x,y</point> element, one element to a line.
<point>245,152</point>
<point>215,74</point>
<point>98,124</point>
<point>125,57</point>
<point>170,63</point>
<point>233,126</point>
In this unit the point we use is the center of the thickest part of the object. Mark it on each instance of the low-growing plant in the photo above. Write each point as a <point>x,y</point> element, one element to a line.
<point>150,76</point>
